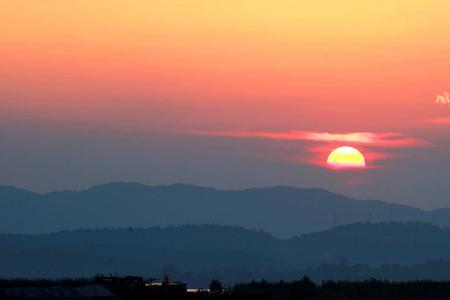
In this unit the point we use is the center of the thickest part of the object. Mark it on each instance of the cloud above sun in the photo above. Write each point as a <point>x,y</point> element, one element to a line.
<point>377,146</point>
<point>374,139</point>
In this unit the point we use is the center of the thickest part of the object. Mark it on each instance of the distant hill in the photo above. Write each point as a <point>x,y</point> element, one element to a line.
<point>282,211</point>
<point>199,248</point>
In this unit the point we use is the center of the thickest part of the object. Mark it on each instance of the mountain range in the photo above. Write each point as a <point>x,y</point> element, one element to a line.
<point>213,248</point>
<point>282,211</point>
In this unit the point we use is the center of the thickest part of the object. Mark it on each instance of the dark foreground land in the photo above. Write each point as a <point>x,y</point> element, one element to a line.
<point>135,288</point>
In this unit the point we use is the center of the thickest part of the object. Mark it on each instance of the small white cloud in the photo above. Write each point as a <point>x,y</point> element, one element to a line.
<point>443,99</point>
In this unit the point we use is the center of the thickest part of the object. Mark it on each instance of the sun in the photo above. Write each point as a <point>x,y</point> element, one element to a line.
<point>346,158</point>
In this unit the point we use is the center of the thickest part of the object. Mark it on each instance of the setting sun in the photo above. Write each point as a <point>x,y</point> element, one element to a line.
<point>346,157</point>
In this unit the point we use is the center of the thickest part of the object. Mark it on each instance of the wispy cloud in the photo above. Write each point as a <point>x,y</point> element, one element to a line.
<point>374,139</point>
<point>375,145</point>
<point>443,99</point>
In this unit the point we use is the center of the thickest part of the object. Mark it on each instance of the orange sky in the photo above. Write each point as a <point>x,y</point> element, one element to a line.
<point>262,63</point>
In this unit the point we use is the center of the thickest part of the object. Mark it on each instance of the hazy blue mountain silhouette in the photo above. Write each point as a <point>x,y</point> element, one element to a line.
<point>198,248</point>
<point>282,211</point>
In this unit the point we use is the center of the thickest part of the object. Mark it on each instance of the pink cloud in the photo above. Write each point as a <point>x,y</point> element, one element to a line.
<point>374,139</point>
<point>373,145</point>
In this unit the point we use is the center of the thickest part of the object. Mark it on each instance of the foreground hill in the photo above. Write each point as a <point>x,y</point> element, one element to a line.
<point>198,248</point>
<point>281,211</point>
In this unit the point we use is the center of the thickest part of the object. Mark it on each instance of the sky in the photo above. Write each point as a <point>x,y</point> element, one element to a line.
<point>229,94</point>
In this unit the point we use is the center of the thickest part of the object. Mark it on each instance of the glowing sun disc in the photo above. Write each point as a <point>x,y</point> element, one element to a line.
<point>346,158</point>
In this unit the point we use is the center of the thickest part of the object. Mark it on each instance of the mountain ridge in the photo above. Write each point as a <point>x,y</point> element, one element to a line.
<point>198,248</point>
<point>280,210</point>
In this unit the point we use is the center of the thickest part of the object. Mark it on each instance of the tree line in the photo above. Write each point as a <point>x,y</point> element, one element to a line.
<point>302,289</point>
